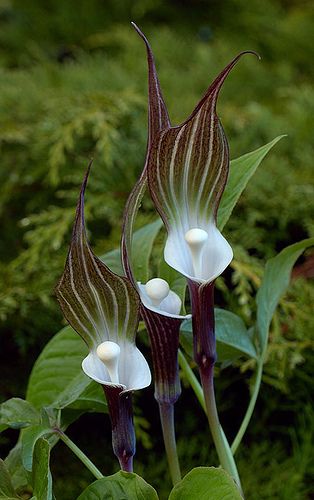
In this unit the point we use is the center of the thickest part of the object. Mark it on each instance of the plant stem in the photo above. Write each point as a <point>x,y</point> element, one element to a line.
<point>250,409</point>
<point>221,439</point>
<point>197,388</point>
<point>79,453</point>
<point>194,383</point>
<point>222,447</point>
<point>167,422</point>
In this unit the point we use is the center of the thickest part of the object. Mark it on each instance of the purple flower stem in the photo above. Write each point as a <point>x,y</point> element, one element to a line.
<point>164,340</point>
<point>204,341</point>
<point>121,416</point>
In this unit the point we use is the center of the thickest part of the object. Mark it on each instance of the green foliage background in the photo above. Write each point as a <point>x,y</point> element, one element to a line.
<point>72,87</point>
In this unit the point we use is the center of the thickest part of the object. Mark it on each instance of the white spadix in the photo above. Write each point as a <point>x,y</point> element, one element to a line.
<point>196,239</point>
<point>157,290</point>
<point>109,352</point>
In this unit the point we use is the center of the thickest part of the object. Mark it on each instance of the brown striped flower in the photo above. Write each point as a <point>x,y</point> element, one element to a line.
<point>161,314</point>
<point>187,171</point>
<point>102,307</point>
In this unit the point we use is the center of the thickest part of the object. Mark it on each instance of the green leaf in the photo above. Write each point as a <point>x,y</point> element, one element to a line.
<point>29,438</point>
<point>241,170</point>
<point>6,487</point>
<point>233,339</point>
<point>119,486</point>
<point>81,393</point>
<point>15,467</point>
<point>113,261</point>
<point>206,483</point>
<point>91,399</point>
<point>17,413</point>
<point>41,475</point>
<point>58,365</point>
<point>142,244</point>
<point>57,380</point>
<point>275,282</point>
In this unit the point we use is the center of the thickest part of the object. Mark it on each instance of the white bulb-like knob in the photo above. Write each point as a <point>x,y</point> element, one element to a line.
<point>196,239</point>
<point>157,290</point>
<point>109,352</point>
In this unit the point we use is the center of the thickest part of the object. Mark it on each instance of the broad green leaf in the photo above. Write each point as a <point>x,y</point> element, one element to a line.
<point>17,413</point>
<point>206,483</point>
<point>233,339</point>
<point>57,379</point>
<point>119,486</point>
<point>6,487</point>
<point>15,467</point>
<point>29,438</point>
<point>81,393</point>
<point>241,170</point>
<point>274,283</point>
<point>41,475</point>
<point>56,368</point>
<point>91,399</point>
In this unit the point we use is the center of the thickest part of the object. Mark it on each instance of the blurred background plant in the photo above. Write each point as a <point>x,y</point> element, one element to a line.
<point>72,87</point>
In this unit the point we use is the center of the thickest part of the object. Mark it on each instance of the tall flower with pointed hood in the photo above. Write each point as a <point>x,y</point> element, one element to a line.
<point>187,170</point>
<point>160,306</point>
<point>104,309</point>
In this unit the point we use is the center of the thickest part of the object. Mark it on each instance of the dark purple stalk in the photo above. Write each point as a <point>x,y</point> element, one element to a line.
<point>163,333</point>
<point>204,342</point>
<point>121,416</point>
<point>203,320</point>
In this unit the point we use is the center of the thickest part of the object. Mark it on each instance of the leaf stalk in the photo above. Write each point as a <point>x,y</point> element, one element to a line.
<point>80,454</point>
<point>249,412</point>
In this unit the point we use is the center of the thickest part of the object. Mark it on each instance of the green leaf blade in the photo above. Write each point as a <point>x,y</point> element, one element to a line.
<point>6,487</point>
<point>15,467</point>
<point>30,437</point>
<point>122,485</point>
<point>41,475</point>
<point>241,171</point>
<point>274,283</point>
<point>142,244</point>
<point>17,414</point>
<point>232,336</point>
<point>205,483</point>
<point>56,368</point>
